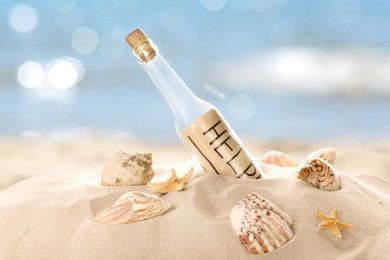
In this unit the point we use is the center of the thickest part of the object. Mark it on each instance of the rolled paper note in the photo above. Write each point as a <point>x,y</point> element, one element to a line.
<point>218,149</point>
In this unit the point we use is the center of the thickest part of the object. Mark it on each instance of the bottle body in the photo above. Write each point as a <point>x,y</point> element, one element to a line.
<point>200,126</point>
<point>185,106</point>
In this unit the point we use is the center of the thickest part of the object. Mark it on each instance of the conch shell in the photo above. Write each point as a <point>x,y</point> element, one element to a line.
<point>261,226</point>
<point>172,184</point>
<point>319,173</point>
<point>279,159</point>
<point>328,154</point>
<point>132,207</point>
<point>124,169</point>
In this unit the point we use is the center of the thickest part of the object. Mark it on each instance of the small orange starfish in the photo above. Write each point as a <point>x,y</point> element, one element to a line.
<point>331,222</point>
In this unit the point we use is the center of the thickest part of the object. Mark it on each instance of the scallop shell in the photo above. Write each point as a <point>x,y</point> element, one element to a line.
<point>319,173</point>
<point>279,159</point>
<point>261,226</point>
<point>172,184</point>
<point>328,154</point>
<point>132,207</point>
<point>124,169</point>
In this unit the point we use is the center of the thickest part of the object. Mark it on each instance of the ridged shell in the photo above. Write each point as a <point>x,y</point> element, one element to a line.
<point>124,169</point>
<point>132,207</point>
<point>172,184</point>
<point>319,173</point>
<point>261,226</point>
<point>279,159</point>
<point>328,154</point>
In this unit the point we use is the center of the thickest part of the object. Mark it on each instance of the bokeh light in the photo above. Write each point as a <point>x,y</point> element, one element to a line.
<point>79,66</point>
<point>291,66</point>
<point>23,18</point>
<point>57,81</point>
<point>84,40</point>
<point>61,74</point>
<point>31,74</point>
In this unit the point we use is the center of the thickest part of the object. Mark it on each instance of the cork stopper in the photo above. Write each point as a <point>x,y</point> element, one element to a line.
<point>143,48</point>
<point>136,38</point>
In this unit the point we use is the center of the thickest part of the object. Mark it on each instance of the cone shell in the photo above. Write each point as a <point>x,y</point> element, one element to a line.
<point>279,159</point>
<point>132,207</point>
<point>327,154</point>
<point>319,173</point>
<point>261,226</point>
<point>124,169</point>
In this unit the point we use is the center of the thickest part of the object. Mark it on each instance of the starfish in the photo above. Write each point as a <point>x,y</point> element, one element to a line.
<point>332,223</point>
<point>172,184</point>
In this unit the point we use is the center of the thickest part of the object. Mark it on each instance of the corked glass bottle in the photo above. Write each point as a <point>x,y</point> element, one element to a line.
<point>198,123</point>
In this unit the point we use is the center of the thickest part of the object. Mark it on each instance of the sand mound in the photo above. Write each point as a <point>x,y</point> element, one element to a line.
<point>50,217</point>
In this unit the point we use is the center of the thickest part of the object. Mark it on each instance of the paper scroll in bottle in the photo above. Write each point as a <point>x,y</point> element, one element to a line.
<point>218,149</point>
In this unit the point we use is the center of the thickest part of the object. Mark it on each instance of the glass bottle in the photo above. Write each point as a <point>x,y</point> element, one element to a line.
<point>198,123</point>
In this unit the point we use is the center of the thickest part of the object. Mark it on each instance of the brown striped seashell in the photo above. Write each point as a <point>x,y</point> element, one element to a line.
<point>261,226</point>
<point>319,173</point>
<point>279,159</point>
<point>328,154</point>
<point>124,169</point>
<point>132,207</point>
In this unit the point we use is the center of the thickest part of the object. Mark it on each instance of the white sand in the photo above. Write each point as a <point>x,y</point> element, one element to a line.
<point>50,217</point>
<point>21,158</point>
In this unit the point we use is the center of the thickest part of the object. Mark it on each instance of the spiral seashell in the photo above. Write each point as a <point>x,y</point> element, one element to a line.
<point>279,159</point>
<point>328,154</point>
<point>319,173</point>
<point>132,207</point>
<point>124,169</point>
<point>261,226</point>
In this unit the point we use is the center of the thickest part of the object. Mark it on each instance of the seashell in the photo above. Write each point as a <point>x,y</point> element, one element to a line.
<point>279,159</point>
<point>132,207</point>
<point>261,226</point>
<point>172,184</point>
<point>124,169</point>
<point>319,173</point>
<point>328,154</point>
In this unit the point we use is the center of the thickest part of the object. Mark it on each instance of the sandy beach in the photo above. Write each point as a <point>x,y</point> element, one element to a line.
<point>52,218</point>
<point>22,158</point>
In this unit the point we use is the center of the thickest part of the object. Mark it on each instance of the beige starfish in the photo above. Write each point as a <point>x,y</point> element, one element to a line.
<point>172,184</point>
<point>332,223</point>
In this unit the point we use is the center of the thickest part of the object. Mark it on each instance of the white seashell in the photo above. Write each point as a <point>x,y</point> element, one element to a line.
<point>124,169</point>
<point>172,184</point>
<point>319,173</point>
<point>261,226</point>
<point>328,154</point>
<point>279,159</point>
<point>132,207</point>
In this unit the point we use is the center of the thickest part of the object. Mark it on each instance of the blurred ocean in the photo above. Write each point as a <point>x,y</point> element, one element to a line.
<point>276,69</point>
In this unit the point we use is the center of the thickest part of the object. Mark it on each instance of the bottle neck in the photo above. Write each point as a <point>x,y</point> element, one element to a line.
<point>185,106</point>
